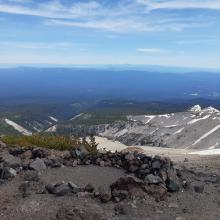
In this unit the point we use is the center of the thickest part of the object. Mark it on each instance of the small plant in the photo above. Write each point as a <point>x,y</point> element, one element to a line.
<point>51,142</point>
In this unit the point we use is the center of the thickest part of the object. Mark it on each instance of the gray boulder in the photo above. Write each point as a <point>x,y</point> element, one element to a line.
<point>62,190</point>
<point>9,160</point>
<point>74,187</point>
<point>31,175</point>
<point>151,179</point>
<point>7,173</point>
<point>38,165</point>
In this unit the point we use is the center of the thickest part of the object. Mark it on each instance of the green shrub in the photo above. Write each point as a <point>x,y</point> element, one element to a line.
<point>51,142</point>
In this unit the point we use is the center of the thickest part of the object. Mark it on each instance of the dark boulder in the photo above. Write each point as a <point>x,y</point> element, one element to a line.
<point>104,195</point>
<point>7,173</point>
<point>172,186</point>
<point>119,195</point>
<point>89,188</point>
<point>40,153</point>
<point>62,190</point>
<point>152,179</point>
<point>31,175</point>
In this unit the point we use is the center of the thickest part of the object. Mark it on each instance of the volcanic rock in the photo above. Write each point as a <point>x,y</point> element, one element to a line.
<point>7,173</point>
<point>62,190</point>
<point>172,186</point>
<point>151,179</point>
<point>31,175</point>
<point>104,195</point>
<point>38,165</point>
<point>10,160</point>
<point>89,188</point>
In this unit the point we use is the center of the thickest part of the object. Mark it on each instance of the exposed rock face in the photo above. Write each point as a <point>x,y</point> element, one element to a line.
<point>196,128</point>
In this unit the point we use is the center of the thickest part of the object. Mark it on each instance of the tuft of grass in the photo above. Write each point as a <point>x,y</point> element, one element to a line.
<point>50,142</point>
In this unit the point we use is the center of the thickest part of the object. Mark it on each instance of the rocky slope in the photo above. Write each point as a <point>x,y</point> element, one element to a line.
<point>196,128</point>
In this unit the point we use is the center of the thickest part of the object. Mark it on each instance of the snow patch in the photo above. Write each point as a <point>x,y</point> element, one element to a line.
<point>213,147</point>
<point>207,134</point>
<point>196,108</point>
<point>150,117</point>
<point>165,116</point>
<point>210,110</point>
<point>77,116</point>
<point>18,127</point>
<point>198,119</point>
<point>207,152</point>
<point>52,118</point>
<point>179,131</point>
<point>171,126</point>
<point>52,129</point>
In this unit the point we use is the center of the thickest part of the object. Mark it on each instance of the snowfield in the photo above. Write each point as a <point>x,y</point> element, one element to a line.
<point>18,127</point>
<point>207,152</point>
<point>53,119</point>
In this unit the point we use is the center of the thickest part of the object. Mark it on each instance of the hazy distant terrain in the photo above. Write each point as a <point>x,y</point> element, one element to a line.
<point>71,84</point>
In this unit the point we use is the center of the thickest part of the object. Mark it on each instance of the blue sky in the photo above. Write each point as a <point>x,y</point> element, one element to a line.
<point>154,32</point>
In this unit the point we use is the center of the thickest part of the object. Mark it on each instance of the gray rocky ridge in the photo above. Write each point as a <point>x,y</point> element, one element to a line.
<point>196,128</point>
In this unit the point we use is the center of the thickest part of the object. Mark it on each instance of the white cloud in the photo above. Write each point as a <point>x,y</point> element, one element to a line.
<point>181,4</point>
<point>121,25</point>
<point>151,50</point>
<point>116,25</point>
<point>53,9</point>
<point>122,16</point>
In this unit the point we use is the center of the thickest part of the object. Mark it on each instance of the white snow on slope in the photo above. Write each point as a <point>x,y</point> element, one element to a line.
<point>214,146</point>
<point>77,116</point>
<point>179,131</point>
<point>196,108</point>
<point>54,119</point>
<point>17,127</point>
<point>198,119</point>
<point>52,129</point>
<point>207,152</point>
<point>207,134</point>
<point>170,126</point>
<point>210,110</point>
<point>165,116</point>
<point>150,117</point>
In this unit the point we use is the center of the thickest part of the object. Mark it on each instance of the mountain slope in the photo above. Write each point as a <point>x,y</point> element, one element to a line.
<point>194,129</point>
